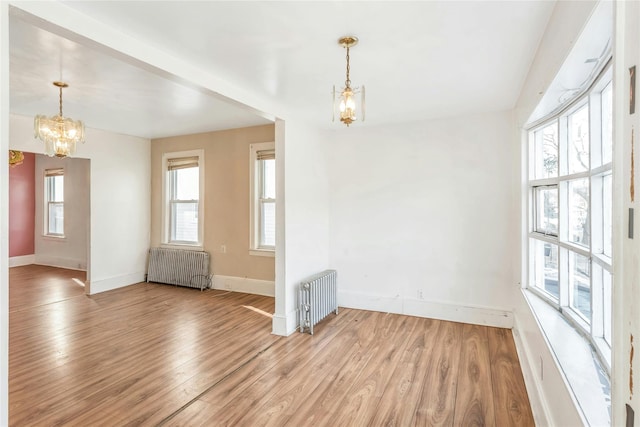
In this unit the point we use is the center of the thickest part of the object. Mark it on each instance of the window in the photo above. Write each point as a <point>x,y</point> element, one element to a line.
<point>263,197</point>
<point>183,197</point>
<point>54,202</point>
<point>570,230</point>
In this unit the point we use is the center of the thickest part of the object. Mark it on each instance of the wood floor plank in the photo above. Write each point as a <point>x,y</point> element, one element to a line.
<point>509,391</point>
<point>437,403</point>
<point>150,355</point>
<point>474,399</point>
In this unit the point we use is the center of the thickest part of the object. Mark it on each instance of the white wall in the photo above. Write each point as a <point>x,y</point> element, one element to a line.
<point>303,210</point>
<point>120,202</point>
<point>70,251</point>
<point>419,218</point>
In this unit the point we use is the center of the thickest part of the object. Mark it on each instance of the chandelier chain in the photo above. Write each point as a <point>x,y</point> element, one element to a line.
<point>61,102</point>
<point>347,82</point>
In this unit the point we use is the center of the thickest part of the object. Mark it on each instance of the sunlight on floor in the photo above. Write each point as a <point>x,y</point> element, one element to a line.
<point>257,310</point>
<point>78,281</point>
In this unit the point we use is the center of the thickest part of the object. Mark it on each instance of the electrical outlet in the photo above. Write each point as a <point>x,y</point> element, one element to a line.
<point>223,249</point>
<point>420,294</point>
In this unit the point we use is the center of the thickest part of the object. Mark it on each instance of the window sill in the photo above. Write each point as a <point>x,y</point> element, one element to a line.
<point>53,238</point>
<point>262,252</point>
<point>578,361</point>
<point>184,246</point>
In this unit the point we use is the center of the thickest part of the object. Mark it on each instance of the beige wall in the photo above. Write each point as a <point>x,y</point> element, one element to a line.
<point>226,197</point>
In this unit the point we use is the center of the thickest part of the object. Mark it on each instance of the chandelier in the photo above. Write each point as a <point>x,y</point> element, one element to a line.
<point>60,134</point>
<point>15,158</point>
<point>348,102</point>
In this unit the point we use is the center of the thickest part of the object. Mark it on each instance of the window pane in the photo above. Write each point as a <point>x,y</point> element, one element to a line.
<point>607,198</point>
<point>579,278</point>
<point>185,184</point>
<point>579,140</point>
<point>545,260</point>
<point>268,179</point>
<point>607,123</point>
<point>606,311</point>
<point>547,210</point>
<point>546,152</point>
<point>268,224</point>
<point>56,186</point>
<point>579,212</point>
<point>56,218</point>
<point>184,222</point>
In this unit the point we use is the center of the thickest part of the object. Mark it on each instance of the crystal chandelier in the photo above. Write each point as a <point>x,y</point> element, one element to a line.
<point>60,134</point>
<point>348,102</point>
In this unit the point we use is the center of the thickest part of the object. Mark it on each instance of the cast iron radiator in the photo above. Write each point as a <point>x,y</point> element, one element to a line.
<point>179,267</point>
<point>318,298</point>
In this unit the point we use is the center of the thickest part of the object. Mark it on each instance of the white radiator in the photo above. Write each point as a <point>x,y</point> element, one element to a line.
<point>179,267</point>
<point>318,298</point>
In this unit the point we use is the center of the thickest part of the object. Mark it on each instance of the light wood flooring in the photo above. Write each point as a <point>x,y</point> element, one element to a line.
<point>152,354</point>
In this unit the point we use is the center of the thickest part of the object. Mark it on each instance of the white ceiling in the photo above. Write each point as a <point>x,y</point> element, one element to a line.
<point>418,60</point>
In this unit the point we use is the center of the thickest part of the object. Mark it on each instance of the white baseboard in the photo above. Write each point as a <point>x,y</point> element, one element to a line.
<point>243,284</point>
<point>17,261</point>
<point>285,325</point>
<point>431,309</point>
<point>103,285</point>
<point>52,261</point>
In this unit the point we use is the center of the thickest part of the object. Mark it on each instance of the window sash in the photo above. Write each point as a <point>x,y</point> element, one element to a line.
<point>183,229</point>
<point>55,218</point>
<point>545,210</point>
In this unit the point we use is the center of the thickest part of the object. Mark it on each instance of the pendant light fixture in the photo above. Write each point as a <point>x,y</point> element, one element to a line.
<point>60,134</point>
<point>351,99</point>
<point>15,158</point>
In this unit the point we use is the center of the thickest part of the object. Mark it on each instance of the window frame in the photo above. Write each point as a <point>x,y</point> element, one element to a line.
<point>256,200</point>
<point>52,173</point>
<point>600,264</point>
<point>168,202</point>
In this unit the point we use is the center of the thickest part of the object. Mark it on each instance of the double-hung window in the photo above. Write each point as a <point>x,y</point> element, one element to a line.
<point>263,197</point>
<point>570,209</point>
<point>184,184</point>
<point>54,202</point>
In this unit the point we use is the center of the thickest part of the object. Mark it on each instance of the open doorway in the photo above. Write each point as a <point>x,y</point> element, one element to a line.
<point>49,217</point>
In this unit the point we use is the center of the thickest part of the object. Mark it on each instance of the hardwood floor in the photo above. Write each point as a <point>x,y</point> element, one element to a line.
<point>152,354</point>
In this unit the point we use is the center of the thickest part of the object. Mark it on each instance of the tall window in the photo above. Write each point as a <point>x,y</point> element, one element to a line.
<point>570,189</point>
<point>263,200</point>
<point>54,202</point>
<point>183,189</point>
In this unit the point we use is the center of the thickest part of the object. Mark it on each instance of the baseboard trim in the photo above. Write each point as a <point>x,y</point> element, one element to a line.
<point>52,261</point>
<point>18,261</point>
<point>432,309</point>
<point>285,325</point>
<point>103,285</point>
<point>245,285</point>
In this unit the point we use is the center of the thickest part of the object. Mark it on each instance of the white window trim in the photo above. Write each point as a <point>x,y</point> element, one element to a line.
<point>254,215</point>
<point>199,245</point>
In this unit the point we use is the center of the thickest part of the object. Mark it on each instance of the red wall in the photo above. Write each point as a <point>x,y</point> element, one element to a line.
<point>22,207</point>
